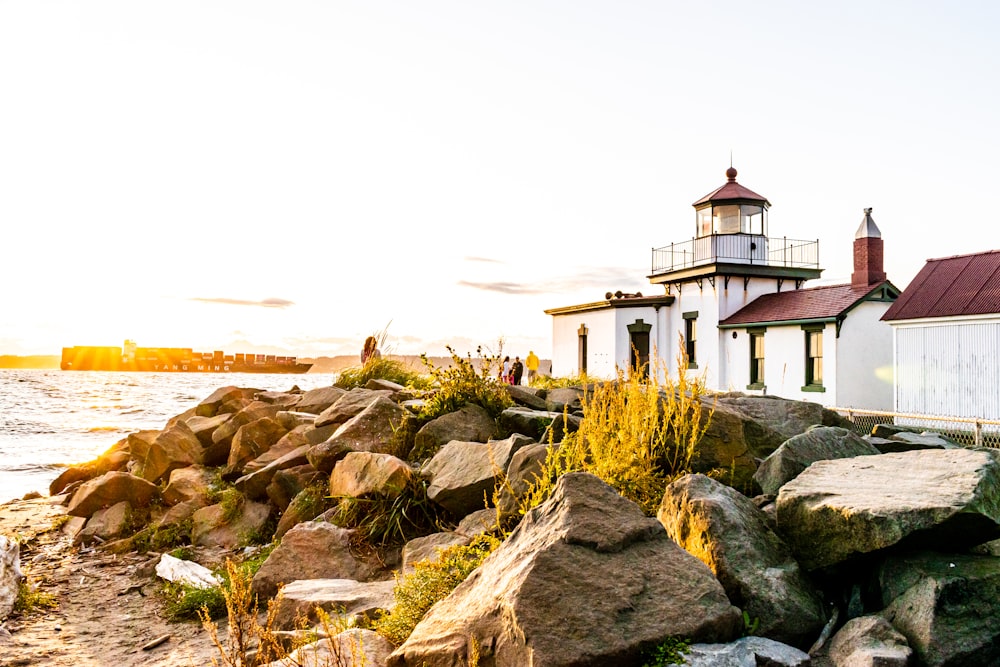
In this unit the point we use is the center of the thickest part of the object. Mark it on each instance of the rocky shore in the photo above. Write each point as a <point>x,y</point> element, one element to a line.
<point>818,547</point>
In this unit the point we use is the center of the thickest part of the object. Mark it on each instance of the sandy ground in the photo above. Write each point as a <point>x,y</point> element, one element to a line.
<point>108,606</point>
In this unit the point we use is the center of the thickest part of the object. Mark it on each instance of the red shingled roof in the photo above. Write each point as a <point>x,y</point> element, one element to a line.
<point>815,303</point>
<point>731,190</point>
<point>959,285</point>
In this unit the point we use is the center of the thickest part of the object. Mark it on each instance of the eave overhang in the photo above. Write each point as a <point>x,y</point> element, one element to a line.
<point>637,302</point>
<point>735,270</point>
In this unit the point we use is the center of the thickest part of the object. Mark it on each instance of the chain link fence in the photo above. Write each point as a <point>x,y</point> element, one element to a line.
<point>961,430</point>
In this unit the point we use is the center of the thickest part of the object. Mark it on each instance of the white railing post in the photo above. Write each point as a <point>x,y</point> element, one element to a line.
<point>979,433</point>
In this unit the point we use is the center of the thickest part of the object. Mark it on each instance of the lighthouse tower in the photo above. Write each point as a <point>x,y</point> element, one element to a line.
<point>730,261</point>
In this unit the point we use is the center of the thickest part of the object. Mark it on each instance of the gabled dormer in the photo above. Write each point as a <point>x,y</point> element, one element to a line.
<point>731,240</point>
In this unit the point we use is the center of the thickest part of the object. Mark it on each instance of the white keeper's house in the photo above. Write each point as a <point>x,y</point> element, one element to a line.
<point>734,302</point>
<point>946,334</point>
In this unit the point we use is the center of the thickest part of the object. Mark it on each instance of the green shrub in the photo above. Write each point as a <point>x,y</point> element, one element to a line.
<point>430,582</point>
<point>185,602</point>
<point>381,368</point>
<point>669,652</point>
<point>636,434</point>
<point>461,384</point>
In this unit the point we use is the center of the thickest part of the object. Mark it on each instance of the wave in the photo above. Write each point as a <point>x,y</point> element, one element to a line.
<point>102,429</point>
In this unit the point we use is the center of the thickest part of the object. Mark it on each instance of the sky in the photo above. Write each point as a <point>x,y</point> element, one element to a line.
<point>290,177</point>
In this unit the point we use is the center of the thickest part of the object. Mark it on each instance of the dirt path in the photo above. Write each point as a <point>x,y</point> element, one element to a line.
<point>108,607</point>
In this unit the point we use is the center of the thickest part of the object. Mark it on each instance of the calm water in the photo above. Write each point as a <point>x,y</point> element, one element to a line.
<point>50,419</point>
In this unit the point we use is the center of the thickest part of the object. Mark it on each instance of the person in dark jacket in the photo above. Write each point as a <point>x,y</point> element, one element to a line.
<point>517,370</point>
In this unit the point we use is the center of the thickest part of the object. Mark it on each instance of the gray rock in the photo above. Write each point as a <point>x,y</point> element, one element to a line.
<point>632,587</point>
<point>429,547</point>
<point>477,523</point>
<point>374,429</point>
<point>315,401</point>
<point>463,475</point>
<point>781,415</point>
<point>370,473</point>
<point>108,489</point>
<point>211,528</point>
<point>841,508</point>
<point>564,399</point>
<point>175,447</point>
<point>300,599</point>
<point>527,422</point>
<point>254,485</point>
<point>726,531</point>
<point>250,441</point>
<point>746,652</point>
<point>106,524</point>
<point>313,550</point>
<point>290,482</point>
<point>378,384</point>
<point>869,641</point>
<point>350,648</point>
<point>222,438</point>
<point>522,471</point>
<point>349,405</point>
<point>529,397</point>
<point>799,452</point>
<point>188,483</point>
<point>471,423</point>
<point>926,440</point>
<point>946,605</point>
<point>210,406</point>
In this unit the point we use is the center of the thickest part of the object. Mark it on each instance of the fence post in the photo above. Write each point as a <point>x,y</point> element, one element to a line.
<point>979,433</point>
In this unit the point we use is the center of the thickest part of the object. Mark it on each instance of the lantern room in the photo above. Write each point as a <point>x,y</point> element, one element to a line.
<point>731,209</point>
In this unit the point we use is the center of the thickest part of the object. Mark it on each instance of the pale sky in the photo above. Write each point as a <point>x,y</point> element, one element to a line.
<point>297,175</point>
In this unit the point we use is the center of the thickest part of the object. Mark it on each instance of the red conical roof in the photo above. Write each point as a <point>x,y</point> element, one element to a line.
<point>730,191</point>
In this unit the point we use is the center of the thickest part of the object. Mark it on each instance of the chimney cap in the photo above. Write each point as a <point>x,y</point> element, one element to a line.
<point>868,228</point>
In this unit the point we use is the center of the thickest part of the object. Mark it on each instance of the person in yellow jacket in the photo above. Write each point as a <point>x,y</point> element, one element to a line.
<point>531,363</point>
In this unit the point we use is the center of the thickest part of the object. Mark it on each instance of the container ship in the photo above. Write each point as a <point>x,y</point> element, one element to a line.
<point>131,357</point>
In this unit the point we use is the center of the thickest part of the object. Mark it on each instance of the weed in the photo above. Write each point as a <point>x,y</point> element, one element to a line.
<point>460,384</point>
<point>668,652</point>
<point>183,553</point>
<point>30,598</point>
<point>749,626</point>
<point>385,522</point>
<point>429,582</point>
<point>381,368</point>
<point>232,502</point>
<point>636,434</point>
<point>185,602</point>
<point>549,382</point>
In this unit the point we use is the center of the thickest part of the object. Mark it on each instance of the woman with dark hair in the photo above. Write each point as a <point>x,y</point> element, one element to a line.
<point>370,350</point>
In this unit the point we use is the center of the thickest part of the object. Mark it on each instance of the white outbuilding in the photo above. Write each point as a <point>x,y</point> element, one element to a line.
<point>946,338</point>
<point>735,306</point>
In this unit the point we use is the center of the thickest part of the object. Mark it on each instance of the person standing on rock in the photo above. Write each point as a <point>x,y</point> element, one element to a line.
<point>505,370</point>
<point>516,371</point>
<point>531,363</point>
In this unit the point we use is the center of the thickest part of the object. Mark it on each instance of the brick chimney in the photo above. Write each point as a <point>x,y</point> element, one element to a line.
<point>867,254</point>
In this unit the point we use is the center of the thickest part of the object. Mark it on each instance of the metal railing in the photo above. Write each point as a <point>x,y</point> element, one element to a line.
<point>738,249</point>
<point>966,431</point>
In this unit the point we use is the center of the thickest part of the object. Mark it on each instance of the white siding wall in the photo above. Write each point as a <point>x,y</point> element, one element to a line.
<point>864,359</point>
<point>784,363</point>
<point>608,341</point>
<point>705,301</point>
<point>948,367</point>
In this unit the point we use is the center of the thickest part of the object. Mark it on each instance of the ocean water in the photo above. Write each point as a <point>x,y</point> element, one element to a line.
<point>50,419</point>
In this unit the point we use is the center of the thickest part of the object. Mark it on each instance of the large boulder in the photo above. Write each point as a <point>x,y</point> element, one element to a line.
<point>726,531</point>
<point>463,475</point>
<point>211,406</point>
<point>349,648</point>
<point>869,641</point>
<point>308,504</point>
<point>348,406</point>
<point>585,579</point>
<point>115,458</point>
<point>430,546</point>
<point>250,441</point>
<point>313,550</point>
<point>374,429</point>
<point>109,489</point>
<point>176,447</point>
<point>747,652</point>
<point>772,414</point>
<point>106,524</point>
<point>316,401</point>
<point>204,427</point>
<point>529,397</point>
<point>301,599</point>
<point>222,437</point>
<point>946,605</point>
<point>188,483</point>
<point>531,423</point>
<point>799,452</point>
<point>368,473</point>
<point>290,482</point>
<point>214,527</point>
<point>471,423</point>
<point>564,399</point>
<point>838,509</point>
<point>524,469</point>
<point>254,485</point>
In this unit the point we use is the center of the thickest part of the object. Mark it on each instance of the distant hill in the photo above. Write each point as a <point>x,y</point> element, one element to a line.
<point>38,361</point>
<point>339,363</point>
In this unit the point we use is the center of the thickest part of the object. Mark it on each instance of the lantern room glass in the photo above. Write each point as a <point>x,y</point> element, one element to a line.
<point>732,219</point>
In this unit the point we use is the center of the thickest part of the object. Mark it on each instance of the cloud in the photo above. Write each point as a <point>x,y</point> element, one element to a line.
<point>263,303</point>
<point>484,260</point>
<point>600,280</point>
